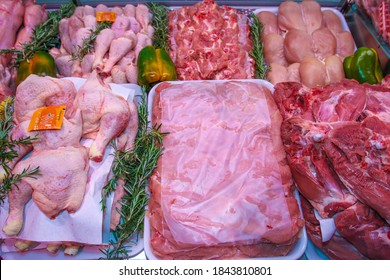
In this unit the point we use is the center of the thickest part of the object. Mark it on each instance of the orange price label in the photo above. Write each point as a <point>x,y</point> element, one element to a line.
<point>105,16</point>
<point>47,118</point>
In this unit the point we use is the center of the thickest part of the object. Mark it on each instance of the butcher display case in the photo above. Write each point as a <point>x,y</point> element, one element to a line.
<point>360,24</point>
<point>292,203</point>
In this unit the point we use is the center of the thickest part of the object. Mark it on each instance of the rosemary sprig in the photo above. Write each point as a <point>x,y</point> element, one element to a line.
<point>160,25</point>
<point>88,43</point>
<point>261,69</point>
<point>45,35</point>
<point>134,167</point>
<point>8,153</point>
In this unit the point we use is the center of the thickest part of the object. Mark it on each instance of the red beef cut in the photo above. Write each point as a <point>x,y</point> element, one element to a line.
<point>316,180</point>
<point>337,248</point>
<point>361,158</point>
<point>339,134</point>
<point>366,230</point>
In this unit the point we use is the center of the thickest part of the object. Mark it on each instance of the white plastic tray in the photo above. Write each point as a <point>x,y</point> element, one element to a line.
<point>299,248</point>
<point>312,252</point>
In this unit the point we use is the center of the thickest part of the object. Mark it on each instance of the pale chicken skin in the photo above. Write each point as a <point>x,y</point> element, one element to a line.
<point>59,186</point>
<point>274,49</point>
<point>69,135</point>
<point>34,14</point>
<point>104,114</point>
<point>269,21</point>
<point>36,92</point>
<point>131,31</point>
<point>311,38</point>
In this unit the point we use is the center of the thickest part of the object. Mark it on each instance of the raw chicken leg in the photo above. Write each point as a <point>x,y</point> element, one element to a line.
<point>104,114</point>
<point>118,49</point>
<point>60,185</point>
<point>66,42</point>
<point>102,45</point>
<point>142,16</point>
<point>124,142</point>
<point>34,14</point>
<point>11,18</point>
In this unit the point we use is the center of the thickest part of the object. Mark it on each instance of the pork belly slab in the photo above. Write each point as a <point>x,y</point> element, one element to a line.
<point>222,188</point>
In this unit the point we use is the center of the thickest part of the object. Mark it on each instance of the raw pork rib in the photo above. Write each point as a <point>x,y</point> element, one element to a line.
<point>210,42</point>
<point>222,189</point>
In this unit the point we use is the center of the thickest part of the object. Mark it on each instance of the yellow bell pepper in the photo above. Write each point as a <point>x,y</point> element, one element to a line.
<point>42,64</point>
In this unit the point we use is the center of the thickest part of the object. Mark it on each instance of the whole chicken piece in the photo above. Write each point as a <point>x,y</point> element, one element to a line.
<point>120,26</point>
<point>79,36</point>
<point>312,15</point>
<point>60,186</point>
<point>66,42</point>
<point>142,16</point>
<point>143,40</point>
<point>11,18</point>
<point>118,49</point>
<point>125,142</point>
<point>102,45</point>
<point>36,92</point>
<point>118,75</point>
<point>129,10</point>
<point>290,16</point>
<point>69,135</point>
<point>33,15</point>
<point>104,114</point>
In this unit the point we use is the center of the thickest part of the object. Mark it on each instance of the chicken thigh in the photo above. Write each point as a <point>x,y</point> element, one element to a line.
<point>104,114</point>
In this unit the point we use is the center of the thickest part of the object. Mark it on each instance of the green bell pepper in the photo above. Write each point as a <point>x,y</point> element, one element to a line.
<point>42,64</point>
<point>363,66</point>
<point>154,65</point>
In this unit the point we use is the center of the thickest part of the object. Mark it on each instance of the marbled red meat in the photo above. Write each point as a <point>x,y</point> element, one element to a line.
<point>337,143</point>
<point>337,248</point>
<point>366,230</point>
<point>222,188</point>
<point>361,159</point>
<point>210,42</point>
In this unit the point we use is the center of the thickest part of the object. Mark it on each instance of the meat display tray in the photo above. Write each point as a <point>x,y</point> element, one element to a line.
<point>344,23</point>
<point>135,245</point>
<point>296,253</point>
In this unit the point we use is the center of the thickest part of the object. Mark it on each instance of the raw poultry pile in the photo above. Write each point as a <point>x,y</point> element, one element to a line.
<point>115,50</point>
<point>337,143</point>
<point>210,42</point>
<point>304,44</point>
<point>17,21</point>
<point>222,189</point>
<point>92,112</point>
